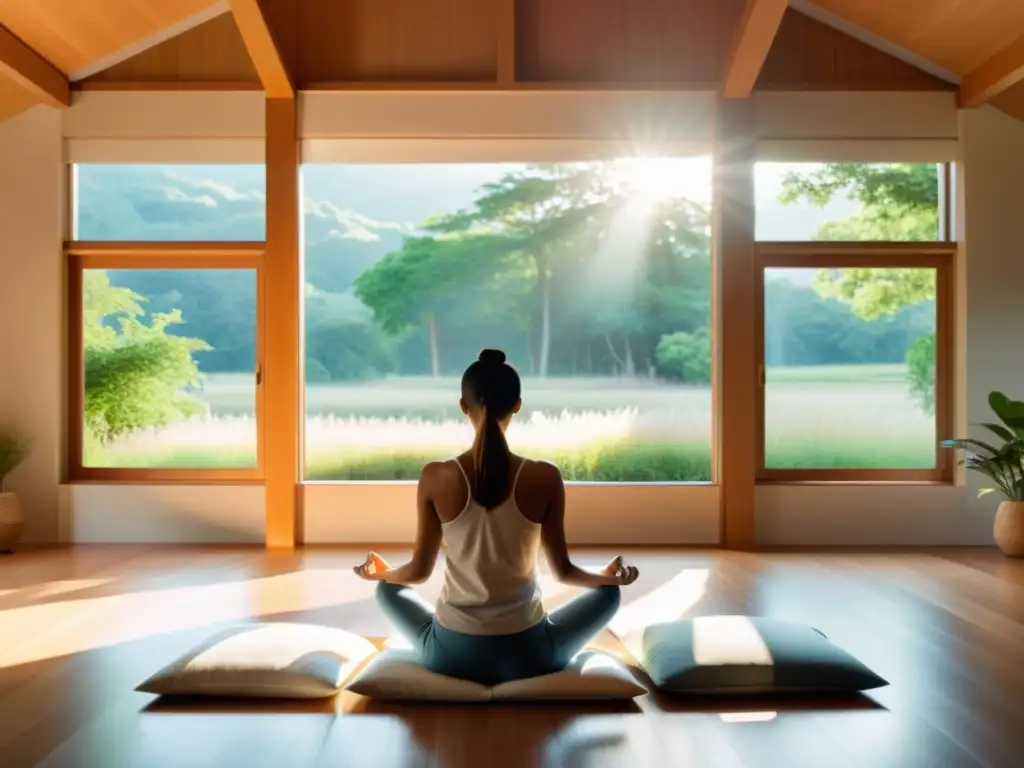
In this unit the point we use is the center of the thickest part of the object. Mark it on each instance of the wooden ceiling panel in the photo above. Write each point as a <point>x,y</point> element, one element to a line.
<point>956,34</point>
<point>213,51</point>
<point>625,41</point>
<point>808,55</point>
<point>396,40</point>
<point>13,98</point>
<point>72,34</point>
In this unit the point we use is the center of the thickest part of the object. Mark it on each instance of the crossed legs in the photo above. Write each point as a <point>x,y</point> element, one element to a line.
<point>568,628</point>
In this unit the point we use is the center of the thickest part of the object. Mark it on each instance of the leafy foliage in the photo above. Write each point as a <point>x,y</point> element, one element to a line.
<point>135,374</point>
<point>13,450</point>
<point>900,200</point>
<point>1002,463</point>
<point>921,372</point>
<point>684,357</point>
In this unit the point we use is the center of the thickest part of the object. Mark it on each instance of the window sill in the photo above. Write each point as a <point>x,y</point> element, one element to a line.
<point>155,482</point>
<point>833,483</point>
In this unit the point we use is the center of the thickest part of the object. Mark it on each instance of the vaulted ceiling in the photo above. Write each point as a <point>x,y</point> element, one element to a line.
<point>977,45</point>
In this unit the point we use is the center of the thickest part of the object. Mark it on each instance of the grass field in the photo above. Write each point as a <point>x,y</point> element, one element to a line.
<point>596,429</point>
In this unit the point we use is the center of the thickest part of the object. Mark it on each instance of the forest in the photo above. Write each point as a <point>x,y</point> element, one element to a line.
<point>524,269</point>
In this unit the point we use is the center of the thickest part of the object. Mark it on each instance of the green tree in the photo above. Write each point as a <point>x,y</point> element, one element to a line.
<point>135,373</point>
<point>899,202</point>
<point>412,287</point>
<point>547,214</point>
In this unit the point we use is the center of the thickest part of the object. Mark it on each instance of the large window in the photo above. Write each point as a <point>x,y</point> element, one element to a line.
<point>165,331</point>
<point>857,328</point>
<point>594,277</point>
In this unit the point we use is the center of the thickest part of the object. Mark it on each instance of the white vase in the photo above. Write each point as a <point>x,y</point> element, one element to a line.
<point>1009,528</point>
<point>12,521</point>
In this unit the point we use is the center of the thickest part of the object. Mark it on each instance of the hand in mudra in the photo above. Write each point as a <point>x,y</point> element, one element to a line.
<point>372,568</point>
<point>621,573</point>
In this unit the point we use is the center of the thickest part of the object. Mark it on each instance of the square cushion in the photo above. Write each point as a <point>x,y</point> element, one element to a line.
<point>283,661</point>
<point>398,676</point>
<point>748,654</point>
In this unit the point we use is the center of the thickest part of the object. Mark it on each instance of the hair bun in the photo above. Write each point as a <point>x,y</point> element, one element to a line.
<point>495,356</point>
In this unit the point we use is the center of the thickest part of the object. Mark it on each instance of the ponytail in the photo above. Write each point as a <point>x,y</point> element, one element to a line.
<point>492,460</point>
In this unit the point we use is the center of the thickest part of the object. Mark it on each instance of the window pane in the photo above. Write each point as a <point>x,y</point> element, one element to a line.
<point>170,368</point>
<point>165,203</point>
<point>850,368</point>
<point>594,278</point>
<point>851,202</point>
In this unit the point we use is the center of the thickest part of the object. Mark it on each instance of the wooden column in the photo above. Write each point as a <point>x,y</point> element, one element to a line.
<point>737,348</point>
<point>281,369</point>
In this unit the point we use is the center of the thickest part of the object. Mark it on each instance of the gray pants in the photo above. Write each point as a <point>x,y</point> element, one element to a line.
<point>492,659</point>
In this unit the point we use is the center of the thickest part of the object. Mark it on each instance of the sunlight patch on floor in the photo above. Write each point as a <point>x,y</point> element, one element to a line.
<point>48,630</point>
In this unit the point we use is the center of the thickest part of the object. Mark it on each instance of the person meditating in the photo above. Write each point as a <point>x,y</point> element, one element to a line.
<point>492,510</point>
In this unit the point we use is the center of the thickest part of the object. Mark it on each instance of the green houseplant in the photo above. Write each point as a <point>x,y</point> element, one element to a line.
<point>1003,464</point>
<point>13,451</point>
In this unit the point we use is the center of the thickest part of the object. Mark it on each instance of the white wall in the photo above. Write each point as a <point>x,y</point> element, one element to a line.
<point>993,233</point>
<point>32,307</point>
<point>178,514</point>
<point>595,514</point>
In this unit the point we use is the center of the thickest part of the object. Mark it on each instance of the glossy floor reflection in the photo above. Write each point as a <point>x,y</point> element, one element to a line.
<point>80,628</point>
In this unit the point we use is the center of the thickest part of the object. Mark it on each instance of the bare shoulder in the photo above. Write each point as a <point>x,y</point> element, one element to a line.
<point>542,472</point>
<point>538,488</point>
<point>443,486</point>
<point>435,472</point>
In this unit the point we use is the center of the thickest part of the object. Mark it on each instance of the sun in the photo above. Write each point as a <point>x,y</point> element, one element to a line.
<point>660,178</point>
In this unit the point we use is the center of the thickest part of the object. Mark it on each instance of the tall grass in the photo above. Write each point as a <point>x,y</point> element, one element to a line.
<point>832,425</point>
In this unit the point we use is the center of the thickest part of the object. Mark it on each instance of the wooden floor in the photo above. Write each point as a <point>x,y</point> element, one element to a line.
<point>79,628</point>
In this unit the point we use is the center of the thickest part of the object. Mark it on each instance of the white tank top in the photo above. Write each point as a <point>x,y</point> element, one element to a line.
<point>490,577</point>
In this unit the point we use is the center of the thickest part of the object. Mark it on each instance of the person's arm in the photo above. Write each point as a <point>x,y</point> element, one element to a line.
<point>553,537</point>
<point>428,542</point>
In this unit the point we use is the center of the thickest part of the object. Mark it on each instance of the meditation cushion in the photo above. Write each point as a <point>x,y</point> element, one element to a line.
<point>398,676</point>
<point>748,654</point>
<point>283,661</point>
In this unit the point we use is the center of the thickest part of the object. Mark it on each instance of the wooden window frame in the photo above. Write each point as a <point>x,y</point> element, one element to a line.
<point>938,255</point>
<point>83,255</point>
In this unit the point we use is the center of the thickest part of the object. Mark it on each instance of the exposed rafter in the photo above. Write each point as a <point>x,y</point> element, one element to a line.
<point>32,71</point>
<point>263,49</point>
<point>1003,70</point>
<point>752,41</point>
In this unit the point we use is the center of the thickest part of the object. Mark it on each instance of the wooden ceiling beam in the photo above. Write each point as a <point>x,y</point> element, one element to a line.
<point>32,71</point>
<point>263,49</point>
<point>988,80</point>
<point>751,43</point>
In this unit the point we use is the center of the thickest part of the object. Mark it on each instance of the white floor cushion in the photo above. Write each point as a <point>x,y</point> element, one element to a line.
<point>284,661</point>
<point>592,675</point>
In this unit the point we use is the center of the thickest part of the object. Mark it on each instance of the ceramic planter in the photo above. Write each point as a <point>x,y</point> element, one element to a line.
<point>1009,528</point>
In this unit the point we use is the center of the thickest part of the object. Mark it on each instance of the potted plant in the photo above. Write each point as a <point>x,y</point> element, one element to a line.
<point>13,451</point>
<point>1003,464</point>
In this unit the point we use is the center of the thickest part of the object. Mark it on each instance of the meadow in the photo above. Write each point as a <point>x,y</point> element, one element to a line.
<point>596,429</point>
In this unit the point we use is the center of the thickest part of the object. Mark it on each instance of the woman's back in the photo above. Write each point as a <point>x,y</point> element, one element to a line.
<point>493,511</point>
<point>490,583</point>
